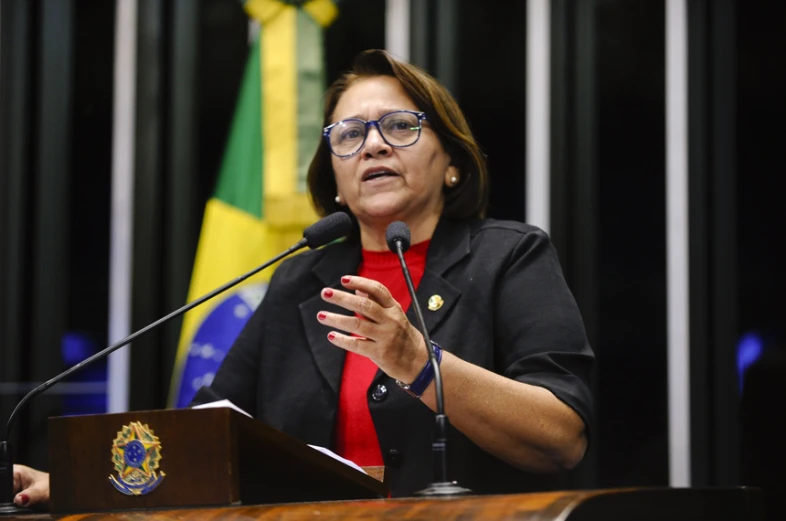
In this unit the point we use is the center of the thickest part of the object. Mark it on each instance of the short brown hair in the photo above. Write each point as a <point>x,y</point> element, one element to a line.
<point>469,198</point>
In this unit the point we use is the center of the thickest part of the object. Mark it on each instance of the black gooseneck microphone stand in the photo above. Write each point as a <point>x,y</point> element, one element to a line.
<point>322,232</point>
<point>398,239</point>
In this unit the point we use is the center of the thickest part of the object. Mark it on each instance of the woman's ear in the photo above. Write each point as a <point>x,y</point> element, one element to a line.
<point>452,177</point>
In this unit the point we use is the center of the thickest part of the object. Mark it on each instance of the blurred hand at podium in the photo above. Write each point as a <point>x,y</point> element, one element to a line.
<point>30,486</point>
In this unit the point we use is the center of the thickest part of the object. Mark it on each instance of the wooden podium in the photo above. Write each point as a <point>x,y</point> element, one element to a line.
<point>738,504</point>
<point>218,464</point>
<point>205,457</point>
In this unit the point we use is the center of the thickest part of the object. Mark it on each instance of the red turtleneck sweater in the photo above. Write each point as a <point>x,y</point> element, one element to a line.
<point>356,437</point>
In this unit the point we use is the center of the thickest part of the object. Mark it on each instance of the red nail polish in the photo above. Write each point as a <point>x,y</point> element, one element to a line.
<point>331,336</point>
<point>346,280</point>
<point>25,499</point>
<point>321,316</point>
<point>328,293</point>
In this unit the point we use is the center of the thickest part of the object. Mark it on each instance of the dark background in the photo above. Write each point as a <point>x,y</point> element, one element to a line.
<point>608,196</point>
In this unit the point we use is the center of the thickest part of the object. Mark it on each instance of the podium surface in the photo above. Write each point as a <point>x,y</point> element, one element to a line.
<point>591,505</point>
<point>218,464</point>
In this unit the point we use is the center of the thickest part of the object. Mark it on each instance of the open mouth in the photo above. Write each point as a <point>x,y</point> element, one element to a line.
<point>378,174</point>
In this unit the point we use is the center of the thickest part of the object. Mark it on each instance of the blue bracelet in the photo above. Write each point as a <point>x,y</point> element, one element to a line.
<point>421,383</point>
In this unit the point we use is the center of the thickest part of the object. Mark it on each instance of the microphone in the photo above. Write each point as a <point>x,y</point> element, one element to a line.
<point>398,238</point>
<point>322,232</point>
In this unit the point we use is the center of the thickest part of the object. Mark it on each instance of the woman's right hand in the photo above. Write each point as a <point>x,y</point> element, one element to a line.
<point>30,486</point>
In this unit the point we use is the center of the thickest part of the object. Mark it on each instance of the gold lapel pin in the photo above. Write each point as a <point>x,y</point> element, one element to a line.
<point>435,302</point>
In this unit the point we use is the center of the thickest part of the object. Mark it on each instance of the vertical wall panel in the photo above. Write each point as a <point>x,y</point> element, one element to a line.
<point>561,121</point>
<point>491,86</point>
<point>148,239</point>
<point>760,221</point>
<point>52,198</point>
<point>182,205</point>
<point>698,103</point>
<point>631,228</point>
<point>15,100</point>
<point>713,247</point>
<point>422,31</point>
<point>724,243</point>
<point>90,145</point>
<point>608,221</point>
<point>360,25</point>
<point>54,168</point>
<point>446,44</point>
<point>573,182</point>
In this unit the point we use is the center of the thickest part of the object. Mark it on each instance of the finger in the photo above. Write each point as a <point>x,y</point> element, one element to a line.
<point>24,476</point>
<point>22,500</point>
<point>361,305</point>
<point>34,495</point>
<point>350,324</point>
<point>350,343</point>
<point>375,290</point>
<point>34,485</point>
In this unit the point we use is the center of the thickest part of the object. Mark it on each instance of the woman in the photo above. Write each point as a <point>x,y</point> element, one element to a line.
<point>325,356</point>
<point>321,356</point>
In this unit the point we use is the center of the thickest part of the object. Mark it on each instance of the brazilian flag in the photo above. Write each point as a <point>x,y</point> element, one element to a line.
<point>260,206</point>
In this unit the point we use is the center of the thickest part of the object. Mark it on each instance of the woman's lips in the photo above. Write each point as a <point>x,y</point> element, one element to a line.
<point>377,172</point>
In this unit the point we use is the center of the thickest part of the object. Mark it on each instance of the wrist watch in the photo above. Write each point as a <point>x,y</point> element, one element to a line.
<point>421,383</point>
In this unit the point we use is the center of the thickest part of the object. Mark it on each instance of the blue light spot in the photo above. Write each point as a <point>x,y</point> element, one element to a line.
<point>749,349</point>
<point>75,347</point>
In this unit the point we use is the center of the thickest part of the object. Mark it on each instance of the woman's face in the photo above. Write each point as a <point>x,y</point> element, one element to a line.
<point>411,189</point>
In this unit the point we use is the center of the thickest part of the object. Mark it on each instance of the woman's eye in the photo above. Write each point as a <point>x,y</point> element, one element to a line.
<point>350,134</point>
<point>399,124</point>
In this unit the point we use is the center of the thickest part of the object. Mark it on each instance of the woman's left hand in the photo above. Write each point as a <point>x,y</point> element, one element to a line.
<point>384,334</point>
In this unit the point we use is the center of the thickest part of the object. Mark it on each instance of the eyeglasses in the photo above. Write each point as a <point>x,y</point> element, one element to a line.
<point>400,128</point>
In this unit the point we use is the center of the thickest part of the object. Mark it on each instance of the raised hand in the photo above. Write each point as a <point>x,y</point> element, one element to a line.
<point>383,334</point>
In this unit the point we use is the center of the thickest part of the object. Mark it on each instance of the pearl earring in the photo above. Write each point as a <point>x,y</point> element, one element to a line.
<point>338,199</point>
<point>453,181</point>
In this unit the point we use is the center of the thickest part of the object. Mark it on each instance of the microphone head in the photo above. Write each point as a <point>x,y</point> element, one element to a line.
<point>328,229</point>
<point>398,231</point>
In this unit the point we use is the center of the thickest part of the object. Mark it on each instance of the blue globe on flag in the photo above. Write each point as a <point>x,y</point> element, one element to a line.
<point>214,336</point>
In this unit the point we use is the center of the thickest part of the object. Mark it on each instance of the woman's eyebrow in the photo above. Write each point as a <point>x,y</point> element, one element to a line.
<point>379,113</point>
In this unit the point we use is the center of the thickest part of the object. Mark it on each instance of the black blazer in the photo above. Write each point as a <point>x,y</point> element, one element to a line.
<point>506,308</point>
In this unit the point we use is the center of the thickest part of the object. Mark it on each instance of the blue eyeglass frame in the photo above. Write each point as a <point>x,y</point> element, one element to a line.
<point>374,122</point>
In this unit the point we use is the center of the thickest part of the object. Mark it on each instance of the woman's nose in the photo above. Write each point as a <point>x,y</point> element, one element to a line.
<point>375,144</point>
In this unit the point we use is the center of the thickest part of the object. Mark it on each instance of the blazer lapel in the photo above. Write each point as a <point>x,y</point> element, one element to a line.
<point>433,285</point>
<point>449,245</point>
<point>341,259</point>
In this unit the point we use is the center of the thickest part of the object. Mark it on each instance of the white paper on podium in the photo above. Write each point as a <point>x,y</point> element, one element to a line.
<point>221,403</point>
<point>229,405</point>
<point>335,456</point>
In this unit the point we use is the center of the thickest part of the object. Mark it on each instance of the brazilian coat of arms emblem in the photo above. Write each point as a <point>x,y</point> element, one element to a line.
<point>135,454</point>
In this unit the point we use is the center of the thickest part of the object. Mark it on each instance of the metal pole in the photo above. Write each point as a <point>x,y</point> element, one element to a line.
<point>678,297</point>
<point>121,241</point>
